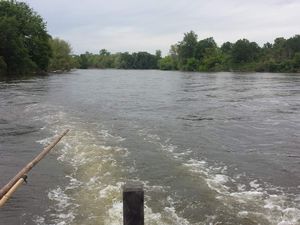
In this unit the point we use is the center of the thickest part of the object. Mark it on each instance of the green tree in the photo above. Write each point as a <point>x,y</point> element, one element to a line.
<point>61,59</point>
<point>279,49</point>
<point>83,61</point>
<point>173,53</point>
<point>191,64</point>
<point>293,46</point>
<point>124,61</point>
<point>24,41</point>
<point>167,63</point>
<point>267,50</point>
<point>104,52</point>
<point>3,66</point>
<point>213,60</point>
<point>226,47</point>
<point>296,62</point>
<point>144,60</point>
<point>204,46</point>
<point>13,50</point>
<point>158,54</point>
<point>244,51</point>
<point>187,48</point>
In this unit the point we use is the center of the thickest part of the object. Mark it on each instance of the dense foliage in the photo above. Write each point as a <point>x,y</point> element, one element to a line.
<point>192,54</point>
<point>25,46</point>
<point>61,59</point>
<point>136,60</point>
<point>24,41</point>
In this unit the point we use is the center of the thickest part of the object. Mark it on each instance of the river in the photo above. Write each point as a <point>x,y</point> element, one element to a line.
<point>210,148</point>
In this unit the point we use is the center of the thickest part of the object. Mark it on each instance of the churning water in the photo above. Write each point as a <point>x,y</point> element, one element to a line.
<point>210,148</point>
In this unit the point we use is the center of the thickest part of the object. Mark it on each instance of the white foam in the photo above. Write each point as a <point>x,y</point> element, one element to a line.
<point>167,217</point>
<point>254,184</point>
<point>255,199</point>
<point>73,183</point>
<point>217,183</point>
<point>63,206</point>
<point>45,141</point>
<point>168,148</point>
<point>153,137</point>
<point>84,148</point>
<point>110,190</point>
<point>197,166</point>
<point>243,214</point>
<point>93,164</point>
<point>114,214</point>
<point>174,218</point>
<point>39,220</point>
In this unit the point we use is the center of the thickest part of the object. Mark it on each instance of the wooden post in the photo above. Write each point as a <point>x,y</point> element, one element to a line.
<point>133,203</point>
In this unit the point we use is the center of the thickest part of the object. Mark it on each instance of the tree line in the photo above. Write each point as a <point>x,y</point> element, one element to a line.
<point>192,54</point>
<point>125,60</point>
<point>27,48</point>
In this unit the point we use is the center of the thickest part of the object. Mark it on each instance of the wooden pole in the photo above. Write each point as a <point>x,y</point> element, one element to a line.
<point>11,191</point>
<point>30,165</point>
<point>133,204</point>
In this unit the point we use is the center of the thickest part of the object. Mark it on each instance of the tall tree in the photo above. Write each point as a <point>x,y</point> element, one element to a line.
<point>204,46</point>
<point>187,47</point>
<point>144,60</point>
<point>244,51</point>
<point>293,46</point>
<point>24,41</point>
<point>61,59</point>
<point>158,54</point>
<point>226,47</point>
<point>279,49</point>
<point>104,52</point>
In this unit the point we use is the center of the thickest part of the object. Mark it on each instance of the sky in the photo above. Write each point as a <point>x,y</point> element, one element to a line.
<point>140,25</point>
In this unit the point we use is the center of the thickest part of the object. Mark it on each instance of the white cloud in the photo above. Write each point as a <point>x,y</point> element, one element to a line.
<point>134,25</point>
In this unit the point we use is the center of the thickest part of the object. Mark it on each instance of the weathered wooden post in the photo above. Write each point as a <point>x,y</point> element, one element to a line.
<point>133,203</point>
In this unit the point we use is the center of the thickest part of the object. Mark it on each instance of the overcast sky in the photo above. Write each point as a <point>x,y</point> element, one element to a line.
<point>140,25</point>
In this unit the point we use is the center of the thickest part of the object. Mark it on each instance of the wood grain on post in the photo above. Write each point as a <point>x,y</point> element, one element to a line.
<point>133,203</point>
<point>30,165</point>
